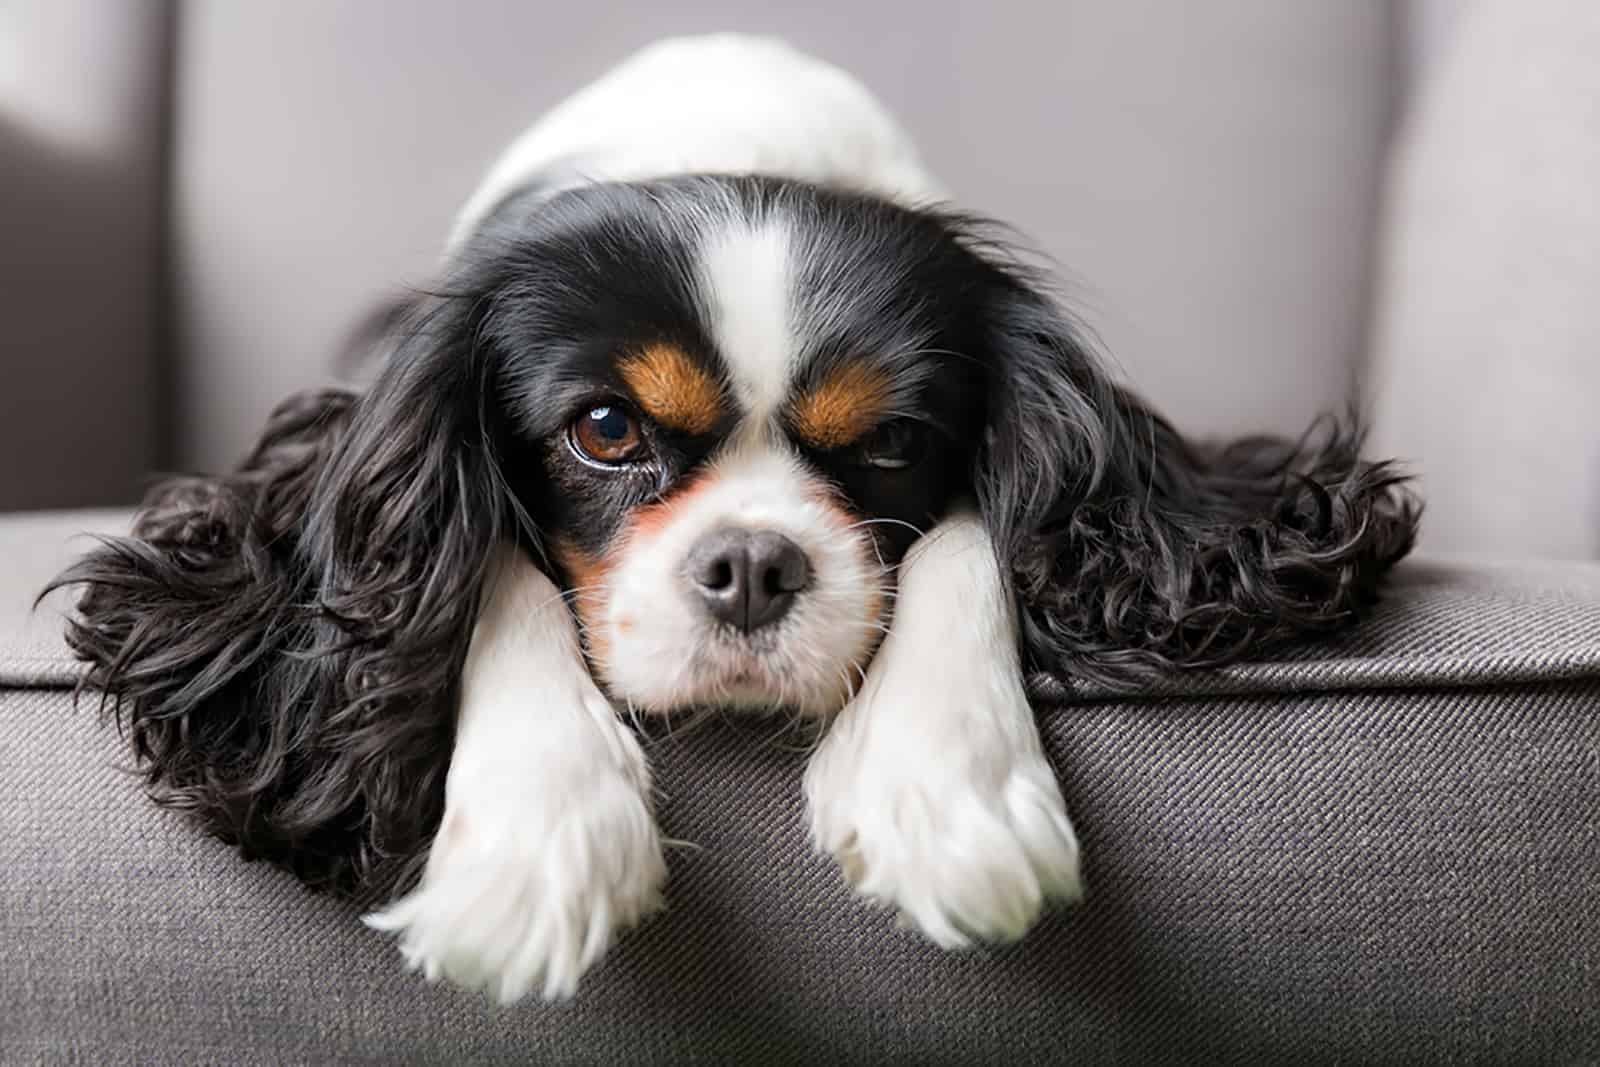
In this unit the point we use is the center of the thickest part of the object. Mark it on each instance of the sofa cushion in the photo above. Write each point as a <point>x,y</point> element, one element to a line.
<point>1381,849</point>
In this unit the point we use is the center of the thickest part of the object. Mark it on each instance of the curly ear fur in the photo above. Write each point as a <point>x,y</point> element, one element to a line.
<point>284,642</point>
<point>1134,552</point>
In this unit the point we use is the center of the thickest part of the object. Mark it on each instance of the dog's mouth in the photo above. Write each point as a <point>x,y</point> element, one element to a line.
<point>743,674</point>
<point>745,680</point>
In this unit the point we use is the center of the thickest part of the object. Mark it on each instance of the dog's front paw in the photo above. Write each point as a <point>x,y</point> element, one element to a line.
<point>963,832</point>
<point>520,899</point>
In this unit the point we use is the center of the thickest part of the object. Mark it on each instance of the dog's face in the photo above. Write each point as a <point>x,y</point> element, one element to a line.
<point>731,406</point>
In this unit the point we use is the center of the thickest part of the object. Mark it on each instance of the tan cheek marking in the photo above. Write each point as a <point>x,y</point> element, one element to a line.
<point>843,407</point>
<point>651,519</point>
<point>591,577</point>
<point>673,389</point>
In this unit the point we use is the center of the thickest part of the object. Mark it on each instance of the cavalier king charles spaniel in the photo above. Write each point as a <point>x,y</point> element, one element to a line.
<point>714,406</point>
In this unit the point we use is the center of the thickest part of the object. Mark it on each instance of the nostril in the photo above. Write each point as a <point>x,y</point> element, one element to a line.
<point>788,576</point>
<point>720,576</point>
<point>783,564</point>
<point>773,582</point>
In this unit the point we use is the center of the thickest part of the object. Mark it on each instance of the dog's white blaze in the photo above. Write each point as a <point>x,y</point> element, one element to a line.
<point>548,845</point>
<point>747,288</point>
<point>932,788</point>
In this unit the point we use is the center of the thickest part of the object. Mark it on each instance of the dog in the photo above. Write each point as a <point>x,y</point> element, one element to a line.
<point>716,404</point>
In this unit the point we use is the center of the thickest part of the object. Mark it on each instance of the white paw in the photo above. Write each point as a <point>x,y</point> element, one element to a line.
<point>966,851</point>
<point>931,788</point>
<point>528,899</point>
<point>949,815</point>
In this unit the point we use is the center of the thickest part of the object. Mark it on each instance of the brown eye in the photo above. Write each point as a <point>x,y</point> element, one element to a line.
<point>894,446</point>
<point>607,434</point>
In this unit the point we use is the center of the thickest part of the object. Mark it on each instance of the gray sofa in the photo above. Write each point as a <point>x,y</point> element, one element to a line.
<point>1382,849</point>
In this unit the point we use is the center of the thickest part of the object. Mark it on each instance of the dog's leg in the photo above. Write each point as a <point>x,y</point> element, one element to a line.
<point>931,788</point>
<point>548,846</point>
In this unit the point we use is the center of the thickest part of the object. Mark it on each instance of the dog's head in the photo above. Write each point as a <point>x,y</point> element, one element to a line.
<point>718,411</point>
<point>727,407</point>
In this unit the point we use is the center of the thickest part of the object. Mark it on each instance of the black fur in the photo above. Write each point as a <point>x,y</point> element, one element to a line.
<point>285,642</point>
<point>1135,552</point>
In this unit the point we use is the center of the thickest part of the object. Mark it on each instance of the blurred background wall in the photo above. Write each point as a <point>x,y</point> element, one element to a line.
<point>83,184</point>
<point>1214,181</point>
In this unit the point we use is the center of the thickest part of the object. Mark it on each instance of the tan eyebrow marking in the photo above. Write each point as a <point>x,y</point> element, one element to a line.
<point>842,407</point>
<point>673,389</point>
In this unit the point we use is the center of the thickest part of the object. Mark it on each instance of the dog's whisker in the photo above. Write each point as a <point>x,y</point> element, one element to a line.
<point>886,522</point>
<point>569,594</point>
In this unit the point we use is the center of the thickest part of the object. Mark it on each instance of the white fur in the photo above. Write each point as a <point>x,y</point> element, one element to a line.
<point>548,846</point>
<point>746,284</point>
<point>717,104</point>
<point>665,654</point>
<point>932,789</point>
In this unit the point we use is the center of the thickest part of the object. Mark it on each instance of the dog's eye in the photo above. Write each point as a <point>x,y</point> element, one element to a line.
<point>894,446</point>
<point>607,434</point>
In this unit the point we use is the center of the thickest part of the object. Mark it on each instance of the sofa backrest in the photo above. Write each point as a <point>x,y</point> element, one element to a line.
<point>1486,346</point>
<point>1208,181</point>
<point>83,120</point>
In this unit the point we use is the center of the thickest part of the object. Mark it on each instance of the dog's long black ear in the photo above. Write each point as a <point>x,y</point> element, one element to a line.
<point>284,642</point>
<point>1135,552</point>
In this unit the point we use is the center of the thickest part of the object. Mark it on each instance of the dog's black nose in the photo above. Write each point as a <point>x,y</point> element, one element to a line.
<point>747,578</point>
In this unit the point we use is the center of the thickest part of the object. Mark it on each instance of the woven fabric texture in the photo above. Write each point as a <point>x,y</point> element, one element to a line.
<point>1383,850</point>
<point>1375,878</point>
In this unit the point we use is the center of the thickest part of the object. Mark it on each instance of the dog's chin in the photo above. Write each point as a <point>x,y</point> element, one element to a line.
<point>754,676</point>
